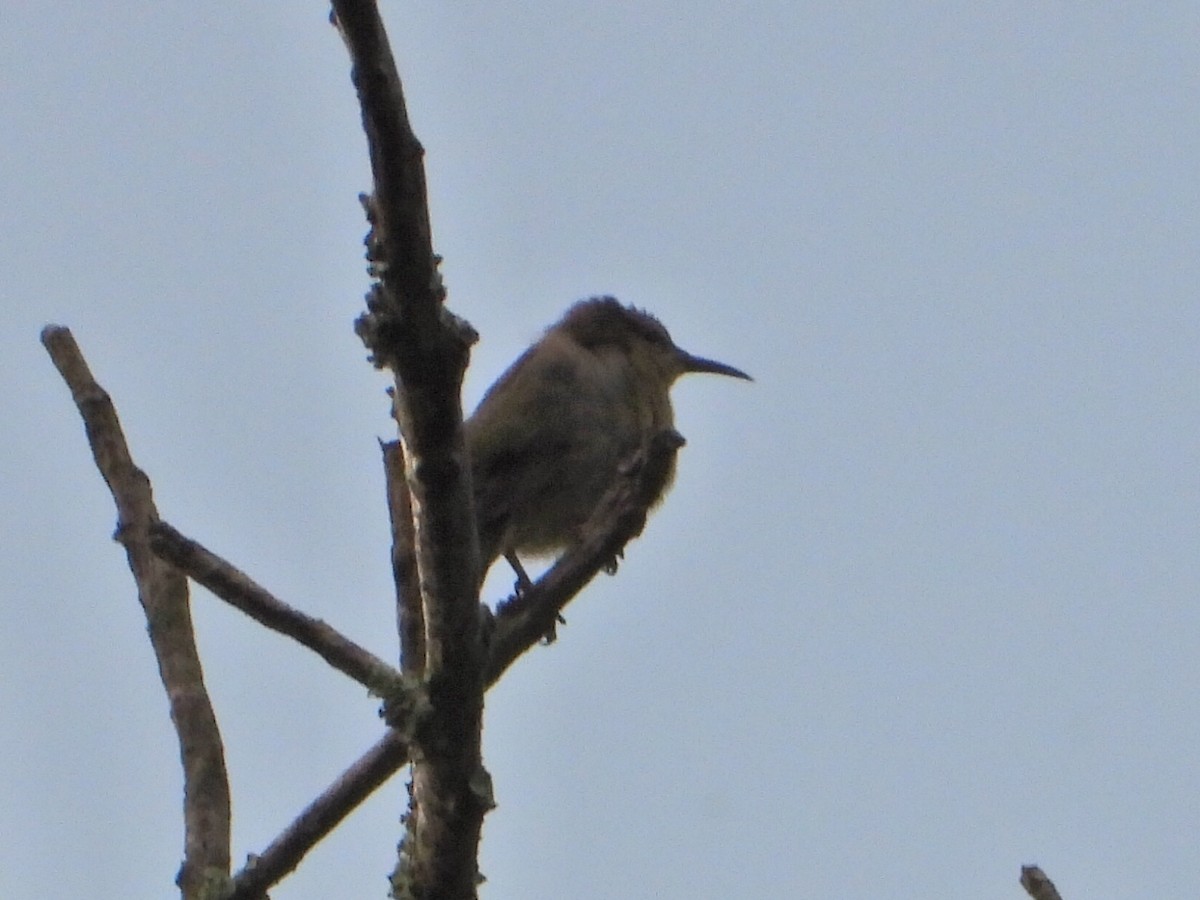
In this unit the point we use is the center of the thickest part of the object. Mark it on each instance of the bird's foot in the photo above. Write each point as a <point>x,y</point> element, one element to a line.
<point>610,567</point>
<point>551,634</point>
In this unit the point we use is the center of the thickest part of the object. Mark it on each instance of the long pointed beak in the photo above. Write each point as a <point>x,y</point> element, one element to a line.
<point>691,363</point>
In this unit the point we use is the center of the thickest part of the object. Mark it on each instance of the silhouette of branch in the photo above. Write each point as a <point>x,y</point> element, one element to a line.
<point>321,816</point>
<point>238,589</point>
<point>406,706</point>
<point>519,624</point>
<point>1038,885</point>
<point>409,331</point>
<point>163,593</point>
<point>410,617</point>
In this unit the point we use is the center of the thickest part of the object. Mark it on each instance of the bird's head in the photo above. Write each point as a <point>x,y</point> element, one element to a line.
<point>604,325</point>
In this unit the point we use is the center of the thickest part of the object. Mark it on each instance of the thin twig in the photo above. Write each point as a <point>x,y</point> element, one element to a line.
<point>239,590</point>
<point>410,618</point>
<point>406,703</point>
<point>163,593</point>
<point>321,816</point>
<point>1038,885</point>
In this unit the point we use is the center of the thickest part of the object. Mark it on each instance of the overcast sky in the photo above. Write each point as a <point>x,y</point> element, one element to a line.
<point>924,604</point>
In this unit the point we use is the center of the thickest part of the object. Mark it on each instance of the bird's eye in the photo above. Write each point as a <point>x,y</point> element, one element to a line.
<point>654,331</point>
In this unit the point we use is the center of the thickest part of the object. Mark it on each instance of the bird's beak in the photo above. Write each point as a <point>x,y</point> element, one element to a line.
<point>689,363</point>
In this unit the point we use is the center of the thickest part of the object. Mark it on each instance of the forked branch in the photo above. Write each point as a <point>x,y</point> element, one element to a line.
<point>408,330</point>
<point>163,593</point>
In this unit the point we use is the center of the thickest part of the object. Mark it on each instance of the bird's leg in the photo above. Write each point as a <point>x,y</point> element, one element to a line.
<point>523,583</point>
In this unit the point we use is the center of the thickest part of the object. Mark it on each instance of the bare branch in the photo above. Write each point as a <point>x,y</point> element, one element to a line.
<point>409,331</point>
<point>1038,885</point>
<point>406,705</point>
<point>351,788</point>
<point>241,591</point>
<point>400,208</point>
<point>163,593</point>
<point>410,618</point>
<point>618,518</point>
<point>519,624</point>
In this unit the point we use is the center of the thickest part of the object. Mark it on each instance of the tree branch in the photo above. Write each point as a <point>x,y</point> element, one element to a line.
<point>408,330</point>
<point>163,594</point>
<point>1038,885</point>
<point>238,589</point>
<point>406,706</point>
<point>321,816</point>
<point>519,624</point>
<point>410,618</point>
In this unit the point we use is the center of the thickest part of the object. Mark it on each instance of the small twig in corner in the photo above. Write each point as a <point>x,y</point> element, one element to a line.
<point>1038,885</point>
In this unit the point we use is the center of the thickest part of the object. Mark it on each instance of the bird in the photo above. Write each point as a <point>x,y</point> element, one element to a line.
<point>549,437</point>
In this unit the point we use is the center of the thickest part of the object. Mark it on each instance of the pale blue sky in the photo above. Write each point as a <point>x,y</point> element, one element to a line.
<point>923,605</point>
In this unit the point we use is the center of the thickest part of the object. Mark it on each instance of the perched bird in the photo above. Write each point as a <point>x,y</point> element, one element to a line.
<point>549,436</point>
